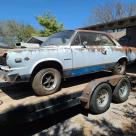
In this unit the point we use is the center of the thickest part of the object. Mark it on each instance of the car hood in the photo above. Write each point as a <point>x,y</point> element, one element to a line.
<point>2,52</point>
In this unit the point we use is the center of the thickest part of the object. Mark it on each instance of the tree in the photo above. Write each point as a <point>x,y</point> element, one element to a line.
<point>12,32</point>
<point>50,25</point>
<point>113,10</point>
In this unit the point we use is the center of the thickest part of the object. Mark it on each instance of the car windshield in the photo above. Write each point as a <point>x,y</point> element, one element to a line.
<point>61,38</point>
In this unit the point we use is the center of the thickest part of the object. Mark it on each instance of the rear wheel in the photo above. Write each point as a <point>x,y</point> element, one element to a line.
<point>121,91</point>
<point>120,67</point>
<point>46,81</point>
<point>101,99</point>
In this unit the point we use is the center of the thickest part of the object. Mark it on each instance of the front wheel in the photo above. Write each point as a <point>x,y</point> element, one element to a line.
<point>46,81</point>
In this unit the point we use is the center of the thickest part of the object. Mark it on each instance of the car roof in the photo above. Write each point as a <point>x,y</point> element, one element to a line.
<point>81,30</point>
<point>93,31</point>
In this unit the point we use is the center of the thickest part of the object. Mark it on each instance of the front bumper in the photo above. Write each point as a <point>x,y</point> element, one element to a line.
<point>10,75</point>
<point>8,78</point>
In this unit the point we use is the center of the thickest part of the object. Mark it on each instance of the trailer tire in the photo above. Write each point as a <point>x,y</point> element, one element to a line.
<point>121,91</point>
<point>101,99</point>
<point>46,81</point>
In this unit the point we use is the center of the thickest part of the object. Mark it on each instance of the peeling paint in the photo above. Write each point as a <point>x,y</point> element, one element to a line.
<point>83,59</point>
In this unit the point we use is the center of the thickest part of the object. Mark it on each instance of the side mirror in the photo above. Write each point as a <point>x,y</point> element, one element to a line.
<point>84,43</point>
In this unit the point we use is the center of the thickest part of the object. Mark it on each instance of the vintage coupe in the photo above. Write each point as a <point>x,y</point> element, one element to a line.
<point>65,54</point>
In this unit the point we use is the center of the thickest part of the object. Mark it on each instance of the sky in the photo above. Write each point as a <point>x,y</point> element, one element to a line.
<point>72,13</point>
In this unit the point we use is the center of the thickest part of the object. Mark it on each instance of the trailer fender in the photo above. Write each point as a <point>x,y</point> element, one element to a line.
<point>89,89</point>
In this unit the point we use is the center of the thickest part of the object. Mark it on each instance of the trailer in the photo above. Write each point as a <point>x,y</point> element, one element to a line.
<point>18,104</point>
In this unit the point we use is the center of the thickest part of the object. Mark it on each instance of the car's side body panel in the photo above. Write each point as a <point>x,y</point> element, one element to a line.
<point>75,60</point>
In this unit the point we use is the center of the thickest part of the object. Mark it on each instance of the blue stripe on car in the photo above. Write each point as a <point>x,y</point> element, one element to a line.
<point>87,70</point>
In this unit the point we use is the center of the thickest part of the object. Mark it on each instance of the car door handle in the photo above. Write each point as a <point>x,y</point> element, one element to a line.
<point>104,52</point>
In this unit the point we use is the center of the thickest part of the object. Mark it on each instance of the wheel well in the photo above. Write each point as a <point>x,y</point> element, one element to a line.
<point>123,59</point>
<point>47,64</point>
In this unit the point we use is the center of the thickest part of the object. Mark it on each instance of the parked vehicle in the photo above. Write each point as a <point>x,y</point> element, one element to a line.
<point>27,45</point>
<point>65,54</point>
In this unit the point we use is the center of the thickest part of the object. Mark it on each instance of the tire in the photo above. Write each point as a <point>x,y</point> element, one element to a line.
<point>120,68</point>
<point>46,81</point>
<point>96,106</point>
<point>121,91</point>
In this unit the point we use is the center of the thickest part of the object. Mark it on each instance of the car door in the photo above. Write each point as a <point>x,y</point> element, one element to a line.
<point>103,47</point>
<point>110,52</point>
<point>90,53</point>
<point>80,55</point>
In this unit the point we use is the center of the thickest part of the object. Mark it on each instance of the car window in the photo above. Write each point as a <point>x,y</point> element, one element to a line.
<point>104,40</point>
<point>76,40</point>
<point>87,38</point>
<point>95,39</point>
<point>60,38</point>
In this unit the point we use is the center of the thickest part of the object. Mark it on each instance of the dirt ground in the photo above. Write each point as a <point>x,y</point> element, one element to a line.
<point>119,120</point>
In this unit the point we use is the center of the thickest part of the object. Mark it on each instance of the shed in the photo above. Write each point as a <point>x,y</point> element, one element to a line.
<point>37,39</point>
<point>116,27</point>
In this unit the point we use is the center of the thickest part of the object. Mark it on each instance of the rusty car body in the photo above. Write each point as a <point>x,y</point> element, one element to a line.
<point>71,52</point>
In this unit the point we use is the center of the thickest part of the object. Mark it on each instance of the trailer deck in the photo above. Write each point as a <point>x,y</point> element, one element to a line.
<point>18,103</point>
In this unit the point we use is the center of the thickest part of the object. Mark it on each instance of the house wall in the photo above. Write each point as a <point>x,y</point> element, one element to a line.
<point>131,34</point>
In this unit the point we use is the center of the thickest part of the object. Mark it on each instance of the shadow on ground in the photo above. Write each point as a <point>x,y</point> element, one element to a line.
<point>58,124</point>
<point>23,90</point>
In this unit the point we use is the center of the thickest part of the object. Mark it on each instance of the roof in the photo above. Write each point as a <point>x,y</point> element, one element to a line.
<point>2,45</point>
<point>40,38</point>
<point>36,39</point>
<point>118,35</point>
<point>116,24</point>
<point>83,30</point>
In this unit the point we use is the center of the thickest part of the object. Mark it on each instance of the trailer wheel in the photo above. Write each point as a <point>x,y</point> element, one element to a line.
<point>46,81</point>
<point>101,98</point>
<point>121,91</point>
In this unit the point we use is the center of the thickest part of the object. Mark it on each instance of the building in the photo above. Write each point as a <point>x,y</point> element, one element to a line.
<point>2,45</point>
<point>36,39</point>
<point>124,30</point>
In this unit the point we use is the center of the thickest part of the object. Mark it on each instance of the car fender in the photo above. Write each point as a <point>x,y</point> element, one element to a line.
<point>45,60</point>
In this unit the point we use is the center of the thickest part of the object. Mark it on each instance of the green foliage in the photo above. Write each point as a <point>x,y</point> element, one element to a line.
<point>49,24</point>
<point>12,32</point>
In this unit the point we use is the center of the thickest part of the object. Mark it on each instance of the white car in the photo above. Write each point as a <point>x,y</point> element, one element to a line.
<point>65,54</point>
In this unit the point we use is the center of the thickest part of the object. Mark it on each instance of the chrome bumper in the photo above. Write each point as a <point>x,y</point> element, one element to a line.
<point>13,75</point>
<point>9,78</point>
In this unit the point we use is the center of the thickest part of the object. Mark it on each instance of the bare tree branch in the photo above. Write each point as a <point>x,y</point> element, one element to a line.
<point>113,10</point>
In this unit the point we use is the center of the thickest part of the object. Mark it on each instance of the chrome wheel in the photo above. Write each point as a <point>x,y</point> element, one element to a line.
<point>49,81</point>
<point>46,81</point>
<point>102,98</point>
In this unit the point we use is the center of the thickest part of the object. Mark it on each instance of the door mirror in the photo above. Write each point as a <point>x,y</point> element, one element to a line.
<point>84,43</point>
